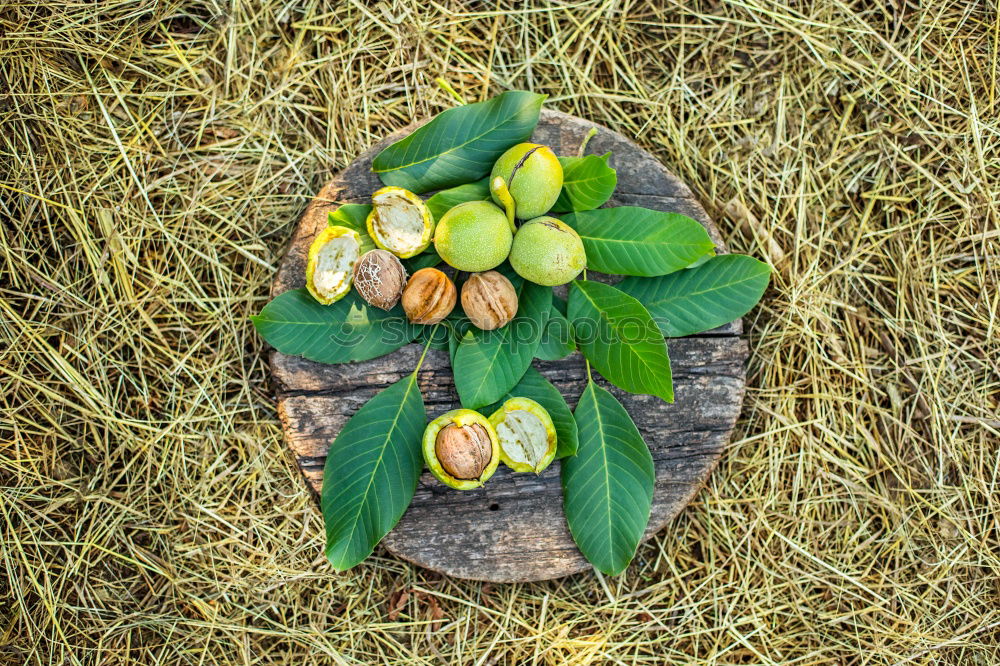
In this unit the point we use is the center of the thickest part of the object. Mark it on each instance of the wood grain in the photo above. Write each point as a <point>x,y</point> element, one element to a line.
<point>513,529</point>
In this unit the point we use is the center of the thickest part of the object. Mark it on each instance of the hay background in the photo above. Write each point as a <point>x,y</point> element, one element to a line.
<point>155,157</point>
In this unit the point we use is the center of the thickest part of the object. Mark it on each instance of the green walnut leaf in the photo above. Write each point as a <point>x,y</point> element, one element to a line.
<point>535,386</point>
<point>426,259</point>
<point>588,182</point>
<point>435,337</point>
<point>722,289</point>
<point>619,338</point>
<point>442,337</point>
<point>557,338</point>
<point>701,260</point>
<point>487,364</point>
<point>453,341</point>
<point>353,216</point>
<point>461,144</point>
<point>608,484</point>
<point>445,200</point>
<point>371,472</point>
<point>628,240</point>
<point>348,330</point>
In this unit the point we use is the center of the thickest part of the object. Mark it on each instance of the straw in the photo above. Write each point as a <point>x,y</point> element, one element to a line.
<point>155,157</point>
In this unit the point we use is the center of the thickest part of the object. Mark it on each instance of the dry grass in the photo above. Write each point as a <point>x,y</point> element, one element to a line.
<point>155,157</point>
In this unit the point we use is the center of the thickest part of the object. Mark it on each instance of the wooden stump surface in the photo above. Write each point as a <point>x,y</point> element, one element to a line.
<point>513,529</point>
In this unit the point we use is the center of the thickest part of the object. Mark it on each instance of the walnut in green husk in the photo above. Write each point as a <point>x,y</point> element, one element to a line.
<point>533,176</point>
<point>547,251</point>
<point>461,449</point>
<point>473,236</point>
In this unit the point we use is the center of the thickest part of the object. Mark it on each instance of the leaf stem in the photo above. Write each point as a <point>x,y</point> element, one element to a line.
<point>499,187</point>
<point>583,144</point>
<point>427,346</point>
<point>586,362</point>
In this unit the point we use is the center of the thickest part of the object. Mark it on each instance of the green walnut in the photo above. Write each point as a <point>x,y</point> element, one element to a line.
<point>461,448</point>
<point>527,435</point>
<point>473,236</point>
<point>533,177</point>
<point>547,251</point>
<point>330,264</point>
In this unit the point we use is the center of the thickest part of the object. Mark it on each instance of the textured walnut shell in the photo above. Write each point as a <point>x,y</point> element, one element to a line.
<point>464,451</point>
<point>379,277</point>
<point>461,449</point>
<point>429,296</point>
<point>489,300</point>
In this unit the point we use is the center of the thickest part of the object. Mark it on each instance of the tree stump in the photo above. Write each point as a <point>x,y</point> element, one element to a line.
<point>513,529</point>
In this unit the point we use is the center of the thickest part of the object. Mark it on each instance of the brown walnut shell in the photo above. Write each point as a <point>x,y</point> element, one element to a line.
<point>429,296</point>
<point>379,277</point>
<point>489,300</point>
<point>463,451</point>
